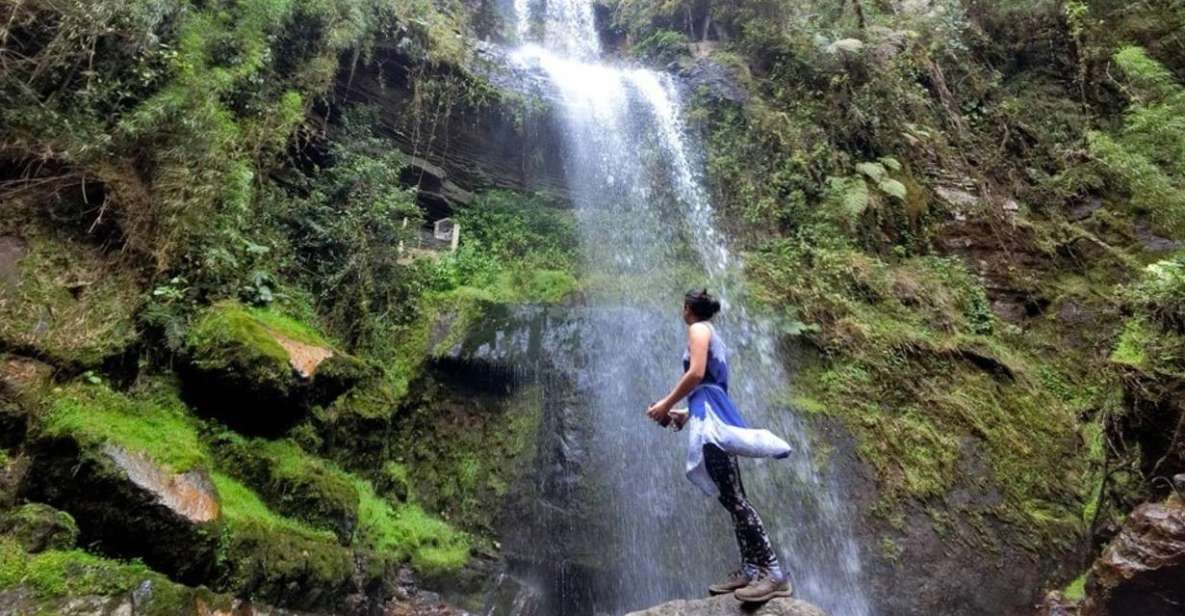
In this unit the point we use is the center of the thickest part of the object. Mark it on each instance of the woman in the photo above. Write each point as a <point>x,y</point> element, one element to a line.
<point>718,435</point>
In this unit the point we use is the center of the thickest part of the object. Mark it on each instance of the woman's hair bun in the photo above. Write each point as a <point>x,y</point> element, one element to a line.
<point>701,303</point>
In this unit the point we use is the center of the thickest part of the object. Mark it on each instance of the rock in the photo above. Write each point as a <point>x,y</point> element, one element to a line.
<point>999,258</point>
<point>436,191</point>
<point>727,605</point>
<point>848,45</point>
<point>260,371</point>
<point>1085,209</point>
<point>476,145</point>
<point>487,345</point>
<point>960,199</point>
<point>38,527</point>
<point>294,483</point>
<point>1142,571</point>
<point>154,596</point>
<point>718,81</point>
<point>1153,242</point>
<point>129,503</point>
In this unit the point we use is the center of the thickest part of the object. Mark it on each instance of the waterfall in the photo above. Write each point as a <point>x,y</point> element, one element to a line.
<point>648,234</point>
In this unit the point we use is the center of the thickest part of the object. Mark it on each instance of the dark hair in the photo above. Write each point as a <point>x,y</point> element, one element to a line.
<point>701,304</point>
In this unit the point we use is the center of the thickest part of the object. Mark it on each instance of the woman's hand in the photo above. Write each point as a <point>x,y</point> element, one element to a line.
<point>659,411</point>
<point>679,418</point>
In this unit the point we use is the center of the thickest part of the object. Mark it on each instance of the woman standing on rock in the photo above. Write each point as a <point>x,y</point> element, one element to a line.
<point>717,436</point>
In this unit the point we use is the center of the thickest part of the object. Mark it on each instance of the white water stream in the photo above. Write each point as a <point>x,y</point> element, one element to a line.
<point>648,233</point>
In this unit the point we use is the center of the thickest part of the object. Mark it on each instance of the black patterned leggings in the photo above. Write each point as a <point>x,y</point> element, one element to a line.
<point>756,550</point>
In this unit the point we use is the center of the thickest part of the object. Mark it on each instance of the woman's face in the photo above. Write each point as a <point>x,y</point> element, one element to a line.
<point>688,316</point>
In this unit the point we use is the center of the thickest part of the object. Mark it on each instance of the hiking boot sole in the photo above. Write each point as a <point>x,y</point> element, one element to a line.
<point>717,591</point>
<point>773,594</point>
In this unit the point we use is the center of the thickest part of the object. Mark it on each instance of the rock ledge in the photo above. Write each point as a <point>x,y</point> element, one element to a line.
<point>727,605</point>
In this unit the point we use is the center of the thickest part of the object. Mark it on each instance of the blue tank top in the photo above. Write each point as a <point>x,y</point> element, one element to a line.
<point>716,371</point>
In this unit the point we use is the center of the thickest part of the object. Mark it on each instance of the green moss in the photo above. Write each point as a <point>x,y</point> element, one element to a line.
<point>71,302</point>
<point>243,509</point>
<point>58,573</point>
<point>228,336</point>
<point>1076,590</point>
<point>293,483</point>
<point>38,527</point>
<point>918,369</point>
<point>1132,348</point>
<point>461,457</point>
<point>431,545</point>
<point>401,532</point>
<point>152,421</point>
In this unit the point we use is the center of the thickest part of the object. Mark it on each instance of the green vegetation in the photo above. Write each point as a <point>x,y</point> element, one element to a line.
<point>913,366</point>
<point>315,498</point>
<point>431,545</point>
<point>244,511</point>
<point>1146,158</point>
<point>514,248</point>
<point>466,474</point>
<point>38,527</point>
<point>152,422</point>
<point>57,573</point>
<point>68,299</point>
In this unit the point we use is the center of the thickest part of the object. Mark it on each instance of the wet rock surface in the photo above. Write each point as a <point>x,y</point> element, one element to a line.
<point>476,146</point>
<point>727,605</point>
<point>1142,571</point>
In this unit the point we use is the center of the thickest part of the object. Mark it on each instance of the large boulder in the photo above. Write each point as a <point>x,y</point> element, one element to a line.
<point>293,483</point>
<point>727,605</point>
<point>75,583</point>
<point>261,371</point>
<point>133,474</point>
<point>1142,571</point>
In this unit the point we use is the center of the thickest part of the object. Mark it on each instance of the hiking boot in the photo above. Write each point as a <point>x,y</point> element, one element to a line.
<point>736,579</point>
<point>764,588</point>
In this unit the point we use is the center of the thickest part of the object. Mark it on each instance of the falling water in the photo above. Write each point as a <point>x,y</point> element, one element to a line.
<point>648,234</point>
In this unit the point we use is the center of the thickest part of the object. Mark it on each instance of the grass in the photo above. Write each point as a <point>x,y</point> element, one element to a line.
<point>231,324</point>
<point>404,531</point>
<point>70,573</point>
<point>430,544</point>
<point>70,302</point>
<point>153,422</point>
<point>241,507</point>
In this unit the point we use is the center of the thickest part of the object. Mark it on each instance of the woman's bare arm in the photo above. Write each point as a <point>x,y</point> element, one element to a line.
<point>699,337</point>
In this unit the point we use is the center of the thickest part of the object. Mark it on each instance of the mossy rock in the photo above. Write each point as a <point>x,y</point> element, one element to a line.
<point>294,483</point>
<point>75,583</point>
<point>285,561</point>
<point>64,300</point>
<point>131,470</point>
<point>359,424</point>
<point>260,371</point>
<point>37,528</point>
